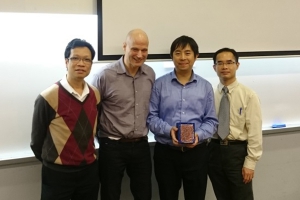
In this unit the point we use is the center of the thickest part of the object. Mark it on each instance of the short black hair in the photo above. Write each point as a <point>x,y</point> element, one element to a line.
<point>78,43</point>
<point>234,53</point>
<point>183,41</point>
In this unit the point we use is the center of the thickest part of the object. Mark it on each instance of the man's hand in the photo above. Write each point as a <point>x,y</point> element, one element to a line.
<point>248,175</point>
<point>176,143</point>
<point>173,136</point>
<point>194,144</point>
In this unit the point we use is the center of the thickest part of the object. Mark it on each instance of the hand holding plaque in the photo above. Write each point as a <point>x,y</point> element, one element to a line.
<point>186,133</point>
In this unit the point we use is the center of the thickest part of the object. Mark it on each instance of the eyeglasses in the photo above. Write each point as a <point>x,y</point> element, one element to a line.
<point>76,60</point>
<point>229,63</point>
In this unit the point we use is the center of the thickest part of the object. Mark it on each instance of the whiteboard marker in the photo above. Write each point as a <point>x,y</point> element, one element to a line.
<point>278,125</point>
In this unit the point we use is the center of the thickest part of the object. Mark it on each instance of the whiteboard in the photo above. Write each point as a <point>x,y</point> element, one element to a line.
<point>255,28</point>
<point>275,80</point>
<point>32,58</point>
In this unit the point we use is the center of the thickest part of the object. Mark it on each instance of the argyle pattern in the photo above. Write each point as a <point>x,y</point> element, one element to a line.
<point>70,136</point>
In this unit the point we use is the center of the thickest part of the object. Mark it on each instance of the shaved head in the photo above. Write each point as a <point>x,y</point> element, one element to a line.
<point>136,49</point>
<point>136,34</point>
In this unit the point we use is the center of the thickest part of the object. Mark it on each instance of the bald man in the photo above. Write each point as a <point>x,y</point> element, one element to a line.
<point>125,87</point>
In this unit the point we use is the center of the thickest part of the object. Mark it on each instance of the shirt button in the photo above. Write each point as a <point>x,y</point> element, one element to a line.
<point>182,112</point>
<point>183,99</point>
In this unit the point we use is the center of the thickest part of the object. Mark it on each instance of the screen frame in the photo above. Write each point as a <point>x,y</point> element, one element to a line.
<point>102,57</point>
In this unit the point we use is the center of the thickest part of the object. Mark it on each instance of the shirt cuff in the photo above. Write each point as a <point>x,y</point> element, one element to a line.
<point>249,163</point>
<point>168,130</point>
<point>200,136</point>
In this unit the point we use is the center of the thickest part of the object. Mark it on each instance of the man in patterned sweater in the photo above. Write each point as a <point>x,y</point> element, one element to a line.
<point>63,130</point>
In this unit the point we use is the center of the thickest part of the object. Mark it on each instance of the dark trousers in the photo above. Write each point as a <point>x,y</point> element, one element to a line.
<point>225,172</point>
<point>78,185</point>
<point>216,172</point>
<point>115,157</point>
<point>173,168</point>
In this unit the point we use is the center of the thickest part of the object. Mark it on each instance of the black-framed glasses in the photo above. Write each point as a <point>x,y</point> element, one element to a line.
<point>76,60</point>
<point>228,63</point>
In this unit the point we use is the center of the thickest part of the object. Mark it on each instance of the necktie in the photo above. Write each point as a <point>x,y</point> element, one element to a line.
<point>224,115</point>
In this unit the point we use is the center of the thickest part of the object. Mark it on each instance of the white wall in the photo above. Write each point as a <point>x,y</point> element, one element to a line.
<point>29,67</point>
<point>276,175</point>
<point>48,6</point>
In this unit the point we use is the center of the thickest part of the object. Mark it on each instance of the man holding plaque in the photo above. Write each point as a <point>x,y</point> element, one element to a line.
<point>182,118</point>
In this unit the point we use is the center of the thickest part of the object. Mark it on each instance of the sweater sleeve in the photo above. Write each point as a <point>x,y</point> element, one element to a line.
<point>42,116</point>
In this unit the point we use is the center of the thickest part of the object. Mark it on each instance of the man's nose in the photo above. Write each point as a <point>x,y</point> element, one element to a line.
<point>139,54</point>
<point>182,56</point>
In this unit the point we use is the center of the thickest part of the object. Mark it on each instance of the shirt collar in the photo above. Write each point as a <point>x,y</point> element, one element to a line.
<point>69,88</point>
<point>174,77</point>
<point>230,87</point>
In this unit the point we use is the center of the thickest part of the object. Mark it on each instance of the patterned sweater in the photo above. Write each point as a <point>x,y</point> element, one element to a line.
<point>63,128</point>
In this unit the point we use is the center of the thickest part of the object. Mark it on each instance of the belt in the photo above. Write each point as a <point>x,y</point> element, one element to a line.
<point>228,142</point>
<point>182,149</point>
<point>125,140</point>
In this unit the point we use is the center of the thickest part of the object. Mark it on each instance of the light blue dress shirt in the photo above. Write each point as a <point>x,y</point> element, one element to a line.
<point>171,103</point>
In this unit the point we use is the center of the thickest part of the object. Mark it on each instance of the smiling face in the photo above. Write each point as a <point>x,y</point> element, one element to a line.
<point>136,49</point>
<point>79,63</point>
<point>184,58</point>
<point>226,67</point>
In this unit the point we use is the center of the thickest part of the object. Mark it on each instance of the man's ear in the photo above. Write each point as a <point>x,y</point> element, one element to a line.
<point>237,65</point>
<point>67,62</point>
<point>214,66</point>
<point>124,46</point>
